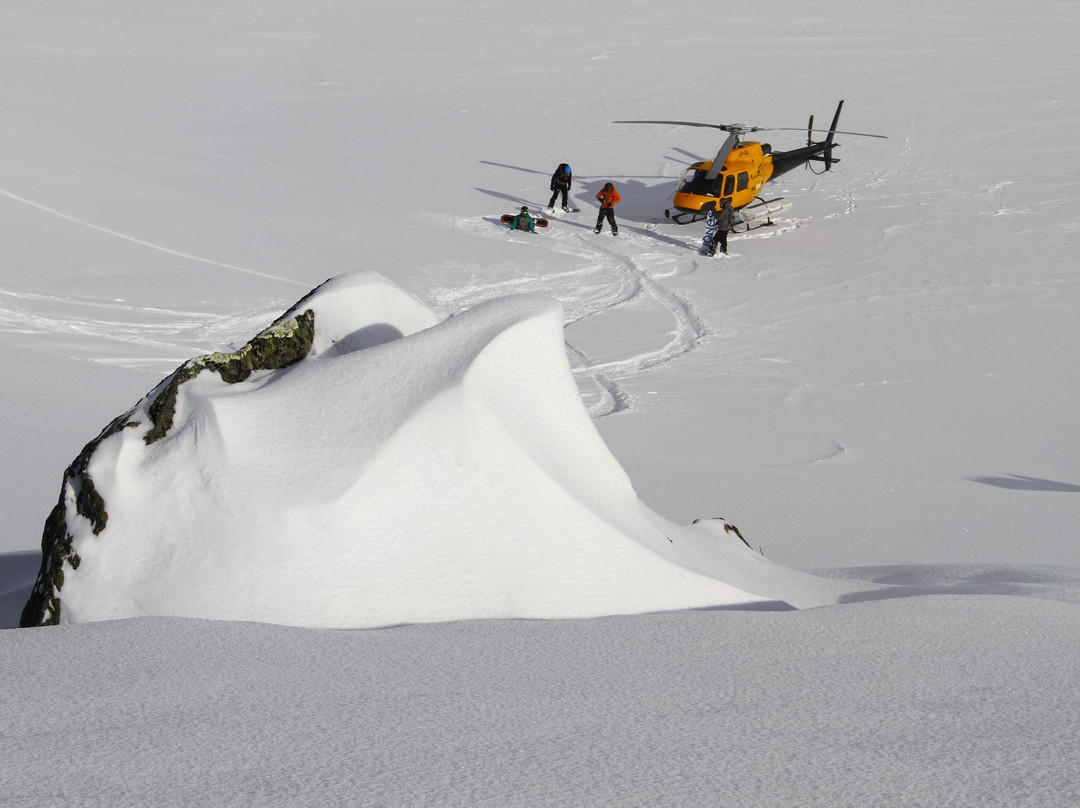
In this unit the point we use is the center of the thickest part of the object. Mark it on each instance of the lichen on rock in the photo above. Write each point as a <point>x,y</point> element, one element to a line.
<point>279,346</point>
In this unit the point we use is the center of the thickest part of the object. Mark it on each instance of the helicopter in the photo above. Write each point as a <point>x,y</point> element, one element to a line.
<point>740,170</point>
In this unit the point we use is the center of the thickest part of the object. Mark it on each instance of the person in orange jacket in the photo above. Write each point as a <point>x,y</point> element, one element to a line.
<point>609,198</point>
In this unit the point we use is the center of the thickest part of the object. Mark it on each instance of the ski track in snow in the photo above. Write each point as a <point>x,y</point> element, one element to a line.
<point>171,336</point>
<point>612,278</point>
<point>148,244</point>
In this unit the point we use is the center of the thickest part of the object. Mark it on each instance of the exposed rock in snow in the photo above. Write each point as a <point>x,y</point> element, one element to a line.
<point>360,463</point>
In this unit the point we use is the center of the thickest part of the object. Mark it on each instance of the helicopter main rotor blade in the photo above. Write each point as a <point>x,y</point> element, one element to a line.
<point>721,156</point>
<point>826,131</point>
<point>736,127</point>
<point>680,123</point>
<point>861,134</point>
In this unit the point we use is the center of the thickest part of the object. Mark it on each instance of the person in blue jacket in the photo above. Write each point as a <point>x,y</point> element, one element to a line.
<point>560,184</point>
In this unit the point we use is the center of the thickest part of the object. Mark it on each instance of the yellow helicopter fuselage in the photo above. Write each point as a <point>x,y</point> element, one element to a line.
<point>746,169</point>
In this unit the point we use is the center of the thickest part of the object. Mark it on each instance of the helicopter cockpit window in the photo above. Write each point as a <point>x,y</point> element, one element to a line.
<point>729,185</point>
<point>695,182</point>
<point>744,180</point>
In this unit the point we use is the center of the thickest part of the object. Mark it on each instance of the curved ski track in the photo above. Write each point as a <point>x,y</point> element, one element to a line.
<point>608,278</point>
<point>612,278</point>
<point>169,335</point>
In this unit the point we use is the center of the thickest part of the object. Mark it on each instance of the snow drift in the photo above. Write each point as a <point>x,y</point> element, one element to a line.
<point>361,464</point>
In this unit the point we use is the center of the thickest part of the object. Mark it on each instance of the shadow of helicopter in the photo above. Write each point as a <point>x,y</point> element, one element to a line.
<point>689,158</point>
<point>638,206</point>
<point>636,192</point>
<point>516,201</point>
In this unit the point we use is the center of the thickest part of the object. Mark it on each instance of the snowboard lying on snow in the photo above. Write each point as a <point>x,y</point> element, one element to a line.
<point>507,218</point>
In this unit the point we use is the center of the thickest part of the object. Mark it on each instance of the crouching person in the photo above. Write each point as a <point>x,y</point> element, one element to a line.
<point>523,221</point>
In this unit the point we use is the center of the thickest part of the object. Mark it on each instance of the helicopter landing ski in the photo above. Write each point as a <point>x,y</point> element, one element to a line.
<point>757,214</point>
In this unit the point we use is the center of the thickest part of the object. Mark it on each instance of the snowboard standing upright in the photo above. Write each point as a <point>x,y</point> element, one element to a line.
<point>711,226</point>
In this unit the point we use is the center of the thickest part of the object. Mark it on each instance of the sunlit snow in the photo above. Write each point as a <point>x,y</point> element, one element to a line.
<point>879,391</point>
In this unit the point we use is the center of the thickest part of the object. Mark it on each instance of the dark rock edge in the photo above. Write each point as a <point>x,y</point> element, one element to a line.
<point>284,343</point>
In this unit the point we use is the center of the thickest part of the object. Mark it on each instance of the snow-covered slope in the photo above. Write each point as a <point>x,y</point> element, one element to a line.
<point>886,381</point>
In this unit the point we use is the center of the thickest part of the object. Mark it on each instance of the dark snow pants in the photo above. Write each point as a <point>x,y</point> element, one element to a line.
<point>719,238</point>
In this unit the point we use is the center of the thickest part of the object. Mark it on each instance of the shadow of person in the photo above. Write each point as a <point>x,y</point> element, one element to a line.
<point>640,203</point>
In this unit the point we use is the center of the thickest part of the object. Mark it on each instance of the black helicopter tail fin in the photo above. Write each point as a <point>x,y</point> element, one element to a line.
<point>827,155</point>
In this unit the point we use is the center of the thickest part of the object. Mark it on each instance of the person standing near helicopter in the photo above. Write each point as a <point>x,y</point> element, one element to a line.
<point>717,225</point>
<point>560,184</point>
<point>608,198</point>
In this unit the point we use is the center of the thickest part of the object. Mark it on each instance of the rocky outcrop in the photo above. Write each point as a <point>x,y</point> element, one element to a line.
<point>285,342</point>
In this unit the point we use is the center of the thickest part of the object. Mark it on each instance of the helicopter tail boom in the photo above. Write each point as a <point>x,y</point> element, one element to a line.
<point>817,151</point>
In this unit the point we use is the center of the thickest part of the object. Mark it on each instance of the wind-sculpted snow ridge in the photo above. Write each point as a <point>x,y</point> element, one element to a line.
<point>397,470</point>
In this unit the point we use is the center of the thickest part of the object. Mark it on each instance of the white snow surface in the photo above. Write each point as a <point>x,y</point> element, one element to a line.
<point>879,390</point>
<point>404,471</point>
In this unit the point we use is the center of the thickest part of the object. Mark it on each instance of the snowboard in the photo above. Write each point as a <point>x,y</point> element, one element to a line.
<point>507,218</point>
<point>552,211</point>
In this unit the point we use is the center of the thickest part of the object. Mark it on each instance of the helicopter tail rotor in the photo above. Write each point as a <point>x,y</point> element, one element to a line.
<point>829,159</point>
<point>826,146</point>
